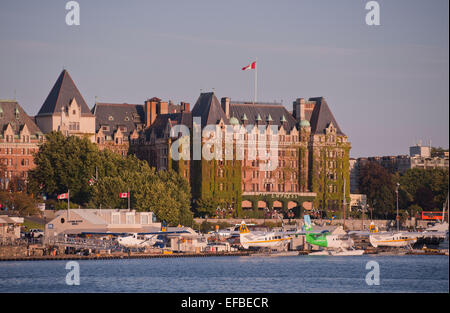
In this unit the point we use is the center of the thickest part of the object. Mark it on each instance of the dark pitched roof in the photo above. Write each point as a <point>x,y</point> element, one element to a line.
<point>162,120</point>
<point>8,116</point>
<point>118,114</point>
<point>275,110</point>
<point>62,93</point>
<point>209,109</point>
<point>321,117</point>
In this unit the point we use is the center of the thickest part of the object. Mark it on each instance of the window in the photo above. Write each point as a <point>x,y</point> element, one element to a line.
<point>130,218</point>
<point>144,219</point>
<point>115,218</point>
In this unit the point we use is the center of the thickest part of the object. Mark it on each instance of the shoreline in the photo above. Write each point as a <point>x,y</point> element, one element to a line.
<point>72,257</point>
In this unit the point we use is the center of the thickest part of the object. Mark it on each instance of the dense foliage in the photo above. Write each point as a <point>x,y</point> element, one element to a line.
<point>96,178</point>
<point>420,189</point>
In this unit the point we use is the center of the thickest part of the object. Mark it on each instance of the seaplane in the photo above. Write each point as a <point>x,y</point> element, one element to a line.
<point>270,240</point>
<point>142,239</point>
<point>334,244</point>
<point>398,240</point>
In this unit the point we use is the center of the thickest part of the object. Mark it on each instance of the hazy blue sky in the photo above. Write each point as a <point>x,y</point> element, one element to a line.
<point>386,85</point>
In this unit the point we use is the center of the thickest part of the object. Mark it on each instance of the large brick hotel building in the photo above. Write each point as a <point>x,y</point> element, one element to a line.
<point>313,152</point>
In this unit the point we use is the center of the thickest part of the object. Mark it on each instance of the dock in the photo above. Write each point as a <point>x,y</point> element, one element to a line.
<point>74,257</point>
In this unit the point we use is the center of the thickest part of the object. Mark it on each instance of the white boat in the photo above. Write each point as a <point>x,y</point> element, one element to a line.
<point>342,252</point>
<point>322,252</point>
<point>392,240</point>
<point>347,252</point>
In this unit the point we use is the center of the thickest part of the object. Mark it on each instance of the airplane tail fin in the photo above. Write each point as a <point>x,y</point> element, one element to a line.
<point>308,224</point>
<point>243,228</point>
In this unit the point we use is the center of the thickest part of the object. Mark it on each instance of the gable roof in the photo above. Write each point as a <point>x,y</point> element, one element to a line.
<point>266,111</point>
<point>8,116</point>
<point>208,108</point>
<point>61,95</point>
<point>321,117</point>
<point>122,114</point>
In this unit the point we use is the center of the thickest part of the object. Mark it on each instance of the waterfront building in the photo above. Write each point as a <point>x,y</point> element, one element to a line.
<point>10,227</point>
<point>76,221</point>
<point>20,137</point>
<point>313,154</point>
<point>65,110</point>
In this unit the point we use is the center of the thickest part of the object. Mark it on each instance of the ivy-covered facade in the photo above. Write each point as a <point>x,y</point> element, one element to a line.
<point>312,156</point>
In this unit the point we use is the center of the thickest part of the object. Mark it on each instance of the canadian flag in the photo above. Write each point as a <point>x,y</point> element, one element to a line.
<point>249,67</point>
<point>124,194</point>
<point>63,196</point>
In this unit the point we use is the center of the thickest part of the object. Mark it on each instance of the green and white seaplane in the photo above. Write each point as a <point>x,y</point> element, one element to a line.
<point>333,244</point>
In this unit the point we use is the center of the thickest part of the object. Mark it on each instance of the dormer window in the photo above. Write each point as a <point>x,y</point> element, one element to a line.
<point>111,118</point>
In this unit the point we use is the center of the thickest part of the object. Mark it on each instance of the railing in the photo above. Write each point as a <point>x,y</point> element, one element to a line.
<point>10,241</point>
<point>83,243</point>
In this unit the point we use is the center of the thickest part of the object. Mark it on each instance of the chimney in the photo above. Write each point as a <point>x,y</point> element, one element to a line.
<point>163,107</point>
<point>185,107</point>
<point>302,109</point>
<point>225,101</point>
<point>150,112</point>
<point>299,109</point>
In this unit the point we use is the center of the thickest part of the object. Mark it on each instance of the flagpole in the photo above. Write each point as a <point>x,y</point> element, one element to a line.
<point>129,196</point>
<point>256,80</point>
<point>68,203</point>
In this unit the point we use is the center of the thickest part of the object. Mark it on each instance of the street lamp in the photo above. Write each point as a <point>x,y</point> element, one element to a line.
<point>398,217</point>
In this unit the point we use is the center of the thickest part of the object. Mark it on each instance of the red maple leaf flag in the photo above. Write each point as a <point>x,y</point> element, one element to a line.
<point>250,67</point>
<point>124,194</point>
<point>63,196</point>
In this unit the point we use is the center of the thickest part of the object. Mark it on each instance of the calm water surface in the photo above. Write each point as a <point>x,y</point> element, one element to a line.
<point>232,274</point>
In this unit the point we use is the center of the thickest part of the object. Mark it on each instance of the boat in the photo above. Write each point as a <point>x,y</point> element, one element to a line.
<point>392,239</point>
<point>341,252</point>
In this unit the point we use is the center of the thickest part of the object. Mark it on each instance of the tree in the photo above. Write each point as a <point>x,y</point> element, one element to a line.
<point>377,184</point>
<point>206,206</point>
<point>164,193</point>
<point>20,202</point>
<point>427,188</point>
<point>62,164</point>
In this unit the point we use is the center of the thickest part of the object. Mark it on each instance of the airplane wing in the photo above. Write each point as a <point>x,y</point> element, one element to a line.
<point>125,234</point>
<point>103,233</point>
<point>165,232</point>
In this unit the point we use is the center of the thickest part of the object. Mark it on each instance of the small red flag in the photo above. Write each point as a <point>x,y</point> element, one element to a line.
<point>63,196</point>
<point>124,195</point>
<point>249,67</point>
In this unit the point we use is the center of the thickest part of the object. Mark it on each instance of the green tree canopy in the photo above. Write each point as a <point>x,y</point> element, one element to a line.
<point>377,184</point>
<point>64,163</point>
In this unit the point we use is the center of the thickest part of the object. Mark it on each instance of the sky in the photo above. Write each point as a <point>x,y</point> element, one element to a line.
<point>386,85</point>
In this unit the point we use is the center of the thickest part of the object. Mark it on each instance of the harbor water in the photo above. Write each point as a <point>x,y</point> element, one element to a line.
<point>289,274</point>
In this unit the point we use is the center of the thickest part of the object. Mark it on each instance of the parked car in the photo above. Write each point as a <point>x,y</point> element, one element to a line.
<point>36,233</point>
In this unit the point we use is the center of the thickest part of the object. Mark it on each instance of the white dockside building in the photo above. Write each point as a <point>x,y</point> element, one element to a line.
<point>77,221</point>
